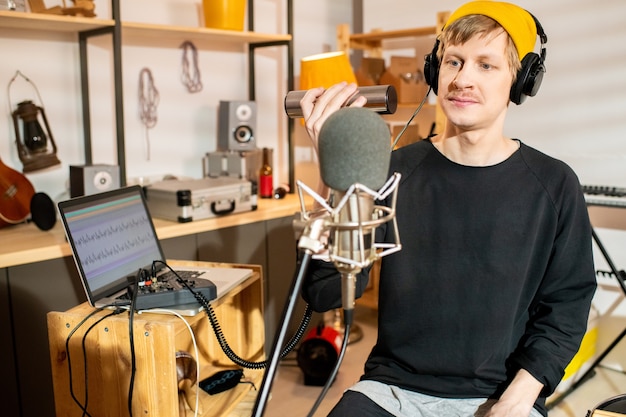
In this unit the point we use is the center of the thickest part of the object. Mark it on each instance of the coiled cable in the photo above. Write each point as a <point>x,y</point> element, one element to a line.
<point>219,334</point>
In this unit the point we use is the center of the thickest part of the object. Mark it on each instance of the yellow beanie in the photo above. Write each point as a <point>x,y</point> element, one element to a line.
<point>518,23</point>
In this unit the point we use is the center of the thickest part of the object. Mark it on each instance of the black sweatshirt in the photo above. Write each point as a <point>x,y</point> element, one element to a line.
<point>495,274</point>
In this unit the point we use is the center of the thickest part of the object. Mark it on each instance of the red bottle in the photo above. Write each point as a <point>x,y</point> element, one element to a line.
<point>266,181</point>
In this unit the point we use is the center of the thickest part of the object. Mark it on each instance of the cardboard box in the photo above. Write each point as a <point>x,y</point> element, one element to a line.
<point>405,73</point>
<point>410,135</point>
<point>370,71</point>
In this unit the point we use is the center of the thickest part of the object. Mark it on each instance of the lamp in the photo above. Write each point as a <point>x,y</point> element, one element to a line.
<point>325,70</point>
<point>35,146</point>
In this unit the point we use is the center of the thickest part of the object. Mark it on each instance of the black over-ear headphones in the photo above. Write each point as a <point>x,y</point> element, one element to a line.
<point>529,77</point>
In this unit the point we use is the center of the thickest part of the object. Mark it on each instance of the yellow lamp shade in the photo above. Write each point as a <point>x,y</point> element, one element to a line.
<point>325,70</point>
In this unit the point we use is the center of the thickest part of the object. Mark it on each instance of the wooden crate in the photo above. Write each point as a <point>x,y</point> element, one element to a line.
<point>157,338</point>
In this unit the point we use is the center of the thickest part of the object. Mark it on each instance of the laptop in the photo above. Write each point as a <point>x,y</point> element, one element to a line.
<point>114,245</point>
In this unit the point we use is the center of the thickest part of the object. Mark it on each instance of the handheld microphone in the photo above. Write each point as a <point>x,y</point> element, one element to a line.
<point>354,153</point>
<point>381,99</point>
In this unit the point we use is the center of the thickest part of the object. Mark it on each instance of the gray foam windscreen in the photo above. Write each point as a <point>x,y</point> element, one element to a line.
<point>354,147</point>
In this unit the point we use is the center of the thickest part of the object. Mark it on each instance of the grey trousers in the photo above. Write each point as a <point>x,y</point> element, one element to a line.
<point>374,399</point>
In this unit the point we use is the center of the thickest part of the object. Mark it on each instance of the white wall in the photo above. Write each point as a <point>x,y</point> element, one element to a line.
<point>579,114</point>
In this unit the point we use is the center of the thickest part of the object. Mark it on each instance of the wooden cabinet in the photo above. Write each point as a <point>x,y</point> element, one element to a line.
<point>106,371</point>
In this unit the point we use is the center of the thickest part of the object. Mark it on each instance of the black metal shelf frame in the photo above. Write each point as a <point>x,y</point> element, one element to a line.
<point>116,38</point>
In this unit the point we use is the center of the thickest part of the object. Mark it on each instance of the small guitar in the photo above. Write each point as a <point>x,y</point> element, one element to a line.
<point>16,192</point>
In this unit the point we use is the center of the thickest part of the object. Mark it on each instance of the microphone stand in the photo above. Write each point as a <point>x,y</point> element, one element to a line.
<point>310,243</point>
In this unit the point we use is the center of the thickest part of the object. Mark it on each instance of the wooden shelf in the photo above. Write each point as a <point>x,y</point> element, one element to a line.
<point>51,23</point>
<point>29,244</point>
<point>181,33</point>
<point>374,39</point>
<point>75,24</point>
<point>372,42</point>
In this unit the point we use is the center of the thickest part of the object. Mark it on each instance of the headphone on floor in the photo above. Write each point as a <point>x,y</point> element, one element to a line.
<point>529,77</point>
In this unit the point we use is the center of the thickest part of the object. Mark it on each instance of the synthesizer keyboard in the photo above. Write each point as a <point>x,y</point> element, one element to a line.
<point>602,195</point>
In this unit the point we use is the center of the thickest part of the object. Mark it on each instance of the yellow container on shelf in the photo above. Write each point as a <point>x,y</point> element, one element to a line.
<point>224,14</point>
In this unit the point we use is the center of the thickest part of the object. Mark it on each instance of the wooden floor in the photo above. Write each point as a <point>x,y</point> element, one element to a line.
<point>291,397</point>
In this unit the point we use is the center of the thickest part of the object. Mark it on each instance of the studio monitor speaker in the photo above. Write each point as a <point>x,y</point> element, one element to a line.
<point>93,179</point>
<point>236,126</point>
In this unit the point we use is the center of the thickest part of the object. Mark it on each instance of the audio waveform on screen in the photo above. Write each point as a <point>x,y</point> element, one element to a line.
<point>110,232</point>
<point>117,250</point>
<point>110,242</point>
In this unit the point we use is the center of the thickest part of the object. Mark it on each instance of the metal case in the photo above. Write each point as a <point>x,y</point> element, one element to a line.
<point>184,201</point>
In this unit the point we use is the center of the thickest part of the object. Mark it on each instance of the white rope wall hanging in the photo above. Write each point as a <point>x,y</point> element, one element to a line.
<point>190,71</point>
<point>148,103</point>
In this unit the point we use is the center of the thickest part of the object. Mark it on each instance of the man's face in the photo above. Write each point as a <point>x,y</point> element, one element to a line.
<point>475,82</point>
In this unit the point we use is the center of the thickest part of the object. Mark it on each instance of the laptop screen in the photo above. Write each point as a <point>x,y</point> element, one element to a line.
<point>112,237</point>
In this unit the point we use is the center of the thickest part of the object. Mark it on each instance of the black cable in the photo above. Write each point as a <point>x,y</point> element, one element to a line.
<point>83,343</point>
<point>419,107</point>
<point>333,374</point>
<point>217,329</point>
<point>69,358</point>
<point>131,338</point>
<point>348,319</point>
<point>69,361</point>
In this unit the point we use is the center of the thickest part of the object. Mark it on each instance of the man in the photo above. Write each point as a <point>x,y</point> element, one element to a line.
<point>487,302</point>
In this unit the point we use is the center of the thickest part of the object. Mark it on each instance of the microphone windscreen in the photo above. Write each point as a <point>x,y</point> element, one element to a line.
<point>42,211</point>
<point>354,146</point>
